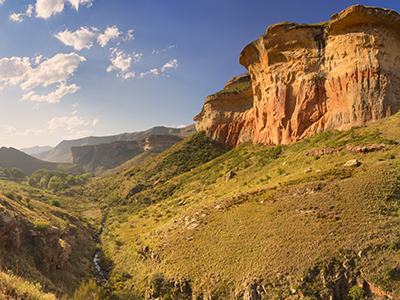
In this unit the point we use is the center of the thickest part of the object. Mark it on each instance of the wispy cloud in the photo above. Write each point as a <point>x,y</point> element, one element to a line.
<point>46,8</point>
<point>2,1</point>
<point>173,63</point>
<point>66,122</point>
<point>152,71</point>
<point>163,50</point>
<point>122,62</point>
<point>58,69</point>
<point>20,17</point>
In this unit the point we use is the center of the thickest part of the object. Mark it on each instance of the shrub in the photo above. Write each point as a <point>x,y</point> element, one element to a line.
<point>55,202</point>
<point>41,226</point>
<point>355,293</point>
<point>90,290</point>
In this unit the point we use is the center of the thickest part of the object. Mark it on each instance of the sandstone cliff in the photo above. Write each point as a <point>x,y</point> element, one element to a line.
<point>311,78</point>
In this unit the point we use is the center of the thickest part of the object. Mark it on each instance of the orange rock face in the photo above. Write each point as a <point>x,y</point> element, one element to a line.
<point>311,78</point>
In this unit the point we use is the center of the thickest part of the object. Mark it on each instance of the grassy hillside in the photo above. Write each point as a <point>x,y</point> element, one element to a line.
<point>10,157</point>
<point>286,225</point>
<point>46,242</point>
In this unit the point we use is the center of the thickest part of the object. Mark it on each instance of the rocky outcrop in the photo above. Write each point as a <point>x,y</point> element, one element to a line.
<point>55,251</point>
<point>311,78</point>
<point>10,237</point>
<point>227,117</point>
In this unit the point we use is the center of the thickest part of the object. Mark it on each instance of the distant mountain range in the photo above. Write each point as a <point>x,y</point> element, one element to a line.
<point>36,150</point>
<point>62,152</point>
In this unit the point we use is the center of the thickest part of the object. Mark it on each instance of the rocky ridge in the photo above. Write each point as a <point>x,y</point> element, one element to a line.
<point>305,79</point>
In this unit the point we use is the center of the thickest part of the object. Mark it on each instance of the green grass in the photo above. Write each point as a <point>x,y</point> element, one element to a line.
<point>270,218</point>
<point>236,88</point>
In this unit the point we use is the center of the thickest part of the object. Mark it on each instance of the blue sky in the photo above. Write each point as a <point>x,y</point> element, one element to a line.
<point>76,68</point>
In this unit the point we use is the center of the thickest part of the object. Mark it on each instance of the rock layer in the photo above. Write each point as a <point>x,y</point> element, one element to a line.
<point>311,78</point>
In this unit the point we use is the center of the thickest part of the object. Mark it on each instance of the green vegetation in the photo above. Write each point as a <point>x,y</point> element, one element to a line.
<point>57,180</point>
<point>13,173</point>
<point>236,88</point>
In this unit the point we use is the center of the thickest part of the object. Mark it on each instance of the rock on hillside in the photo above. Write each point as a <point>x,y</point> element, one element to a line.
<point>311,78</point>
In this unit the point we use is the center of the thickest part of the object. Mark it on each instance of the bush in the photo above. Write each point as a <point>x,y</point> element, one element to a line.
<point>41,226</point>
<point>90,290</point>
<point>355,293</point>
<point>55,203</point>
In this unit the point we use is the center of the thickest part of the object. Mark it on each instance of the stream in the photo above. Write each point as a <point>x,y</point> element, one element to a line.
<point>103,274</point>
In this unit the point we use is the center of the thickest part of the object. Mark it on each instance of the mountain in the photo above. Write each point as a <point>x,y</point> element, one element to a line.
<point>62,152</point>
<point>101,157</point>
<point>36,149</point>
<point>10,157</point>
<point>309,78</point>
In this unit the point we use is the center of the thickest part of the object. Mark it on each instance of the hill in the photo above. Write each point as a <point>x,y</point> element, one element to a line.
<point>36,149</point>
<point>286,222</point>
<point>62,152</point>
<point>11,157</point>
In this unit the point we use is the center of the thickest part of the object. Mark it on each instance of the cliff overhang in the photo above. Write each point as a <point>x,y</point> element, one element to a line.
<point>308,78</point>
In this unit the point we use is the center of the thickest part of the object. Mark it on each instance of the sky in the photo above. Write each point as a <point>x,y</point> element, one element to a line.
<point>76,68</point>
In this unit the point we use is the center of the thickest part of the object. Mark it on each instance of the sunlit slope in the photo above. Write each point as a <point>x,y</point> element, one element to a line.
<point>285,224</point>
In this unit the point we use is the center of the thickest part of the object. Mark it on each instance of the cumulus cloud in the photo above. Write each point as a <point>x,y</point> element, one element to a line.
<point>58,69</point>
<point>122,62</point>
<point>46,8</point>
<point>81,38</point>
<point>173,63</point>
<point>84,37</point>
<point>2,1</point>
<point>152,71</point>
<point>109,34</point>
<point>13,70</point>
<point>20,17</point>
<point>53,97</point>
<point>54,70</point>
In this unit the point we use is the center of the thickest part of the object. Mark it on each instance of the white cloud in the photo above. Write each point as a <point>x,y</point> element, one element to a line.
<point>77,135</point>
<point>74,112</point>
<point>81,38</point>
<point>95,121</point>
<point>129,36</point>
<point>54,70</point>
<point>109,34</point>
<point>75,105</point>
<point>46,8</point>
<point>173,63</point>
<point>163,50</point>
<point>65,122</point>
<point>2,1</point>
<point>58,69</point>
<point>38,59</point>
<point>152,71</point>
<point>7,129</point>
<point>122,62</point>
<point>53,97</point>
<point>20,17</point>
<point>13,70</point>
<point>84,37</point>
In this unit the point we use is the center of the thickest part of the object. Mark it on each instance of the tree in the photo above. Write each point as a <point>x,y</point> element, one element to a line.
<point>56,184</point>
<point>71,180</point>
<point>43,183</point>
<point>32,181</point>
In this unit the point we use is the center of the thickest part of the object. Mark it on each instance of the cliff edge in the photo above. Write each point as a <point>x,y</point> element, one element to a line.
<point>307,78</point>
